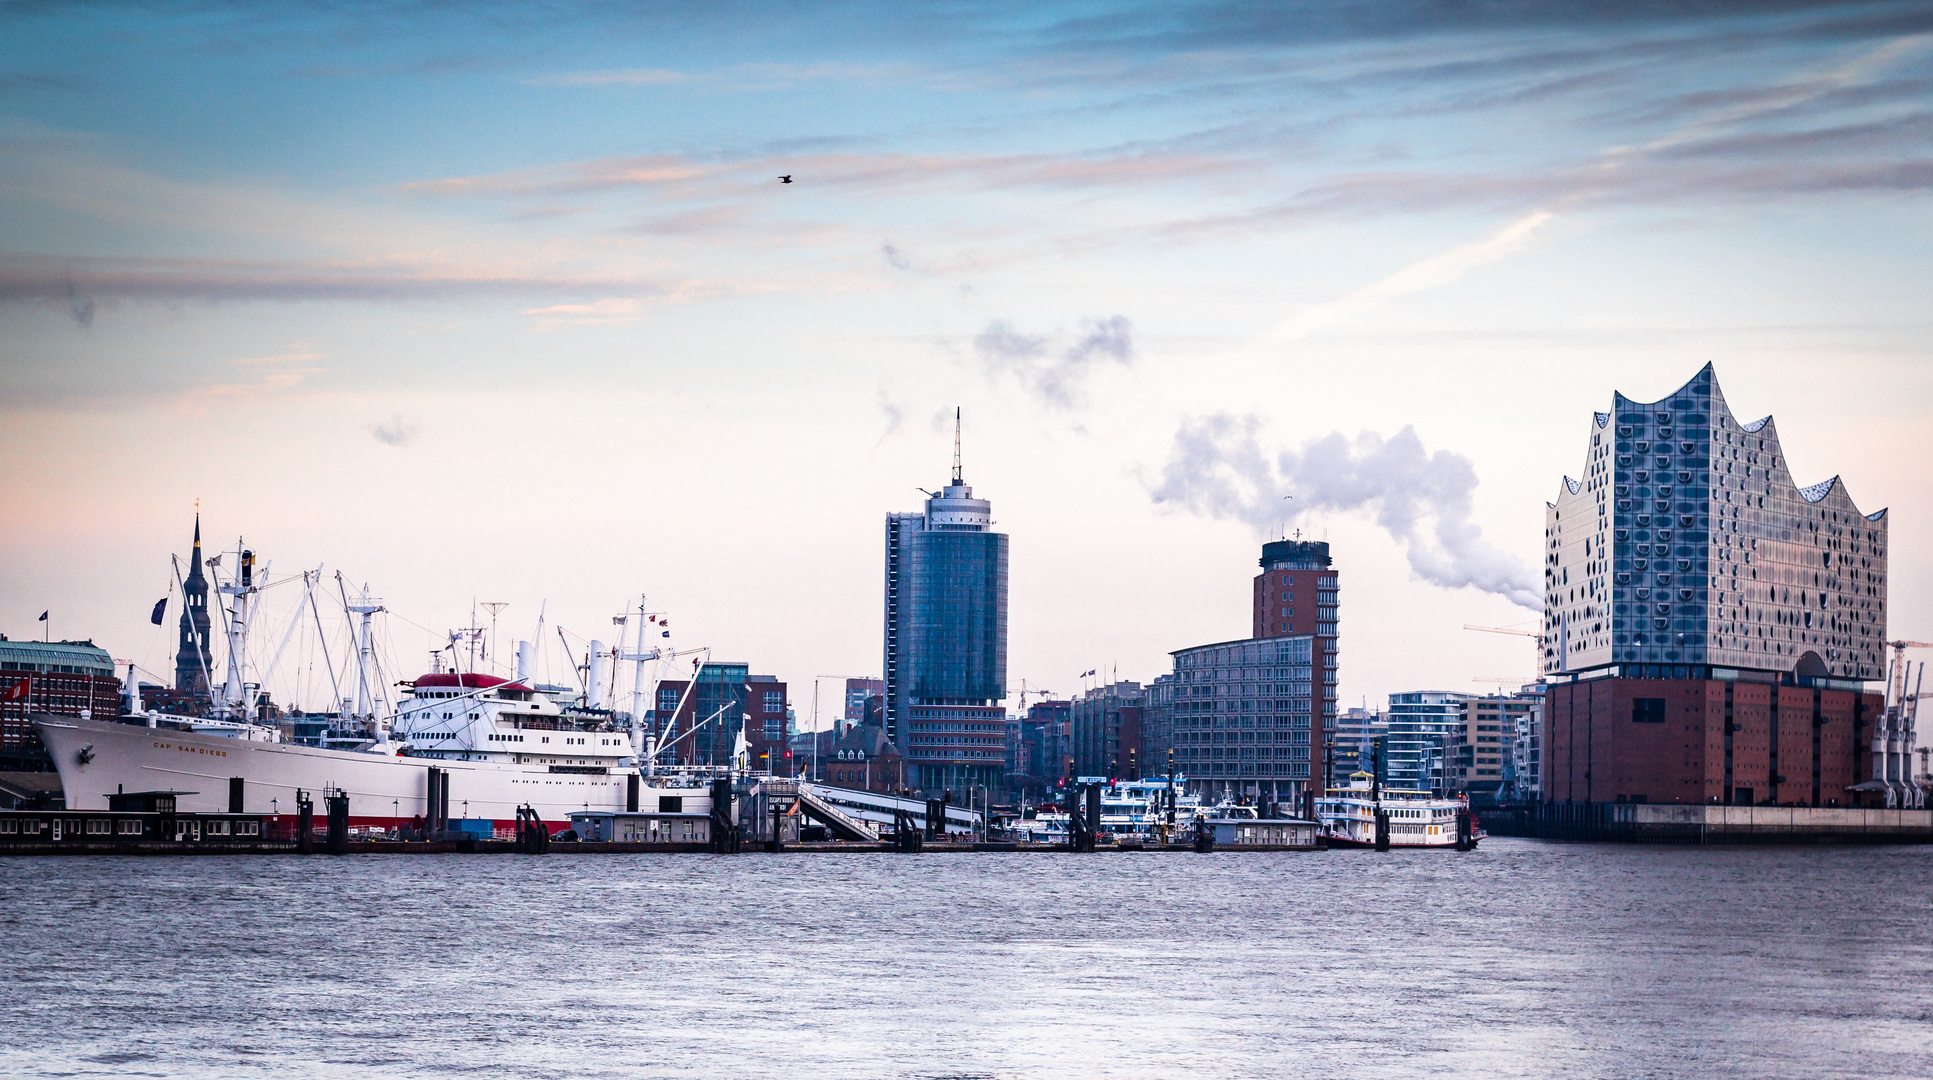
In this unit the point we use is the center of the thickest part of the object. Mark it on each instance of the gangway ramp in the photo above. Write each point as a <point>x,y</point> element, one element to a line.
<point>841,824</point>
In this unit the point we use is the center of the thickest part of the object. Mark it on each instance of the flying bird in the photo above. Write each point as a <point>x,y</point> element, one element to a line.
<point>786,179</point>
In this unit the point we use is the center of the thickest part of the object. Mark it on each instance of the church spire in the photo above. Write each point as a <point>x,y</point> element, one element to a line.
<point>191,656</point>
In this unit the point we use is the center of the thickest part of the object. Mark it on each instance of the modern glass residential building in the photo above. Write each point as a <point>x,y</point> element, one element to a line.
<point>1415,747</point>
<point>946,639</point>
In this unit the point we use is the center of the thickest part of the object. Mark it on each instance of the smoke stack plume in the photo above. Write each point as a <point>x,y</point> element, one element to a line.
<point>1218,468</point>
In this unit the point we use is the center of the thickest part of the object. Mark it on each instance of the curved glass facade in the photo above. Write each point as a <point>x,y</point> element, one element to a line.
<point>955,605</point>
<point>1688,542</point>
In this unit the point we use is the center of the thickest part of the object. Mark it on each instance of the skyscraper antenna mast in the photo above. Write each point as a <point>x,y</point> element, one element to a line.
<point>956,447</point>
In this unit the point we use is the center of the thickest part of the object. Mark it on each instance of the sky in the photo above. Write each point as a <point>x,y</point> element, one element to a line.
<point>506,303</point>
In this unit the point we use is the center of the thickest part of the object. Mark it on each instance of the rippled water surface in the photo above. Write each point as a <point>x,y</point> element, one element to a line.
<point>1522,959</point>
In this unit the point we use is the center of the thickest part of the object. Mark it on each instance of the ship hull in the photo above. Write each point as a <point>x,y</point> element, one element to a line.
<point>382,790</point>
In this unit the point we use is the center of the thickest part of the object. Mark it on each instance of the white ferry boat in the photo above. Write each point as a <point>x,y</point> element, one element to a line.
<point>1417,819</point>
<point>1130,810</point>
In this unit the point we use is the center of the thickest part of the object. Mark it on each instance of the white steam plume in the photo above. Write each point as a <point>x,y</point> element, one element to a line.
<point>1219,469</point>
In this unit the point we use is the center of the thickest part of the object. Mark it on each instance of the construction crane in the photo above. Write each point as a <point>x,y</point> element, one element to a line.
<point>1026,690</point>
<point>1503,630</point>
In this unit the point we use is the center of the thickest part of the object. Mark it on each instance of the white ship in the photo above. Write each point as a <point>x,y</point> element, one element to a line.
<point>499,742</point>
<point>1346,816</point>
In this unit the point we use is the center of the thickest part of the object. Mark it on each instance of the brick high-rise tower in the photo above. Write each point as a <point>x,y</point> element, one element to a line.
<point>1296,594</point>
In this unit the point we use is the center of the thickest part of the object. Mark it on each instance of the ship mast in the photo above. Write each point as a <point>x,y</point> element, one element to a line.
<point>238,701</point>
<point>366,607</point>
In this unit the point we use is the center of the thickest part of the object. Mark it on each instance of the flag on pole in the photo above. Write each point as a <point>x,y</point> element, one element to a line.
<point>160,606</point>
<point>43,616</point>
<point>666,633</point>
<point>18,691</point>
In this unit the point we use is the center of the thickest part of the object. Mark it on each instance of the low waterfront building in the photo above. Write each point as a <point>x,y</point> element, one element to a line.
<point>864,759</point>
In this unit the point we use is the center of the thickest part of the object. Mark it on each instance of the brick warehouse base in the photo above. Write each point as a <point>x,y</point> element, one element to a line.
<point>1656,824</point>
<point>1705,741</point>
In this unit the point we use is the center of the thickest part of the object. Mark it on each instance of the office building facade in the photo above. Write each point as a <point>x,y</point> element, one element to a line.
<point>1709,625</point>
<point>945,650</point>
<point>1105,725</point>
<point>1244,717</point>
<point>1482,759</point>
<point>700,723</point>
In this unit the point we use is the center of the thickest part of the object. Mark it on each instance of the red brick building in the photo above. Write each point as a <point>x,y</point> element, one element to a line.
<point>864,759</point>
<point>1729,742</point>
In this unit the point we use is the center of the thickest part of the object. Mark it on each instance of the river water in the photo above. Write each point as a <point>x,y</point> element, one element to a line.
<point>1525,958</point>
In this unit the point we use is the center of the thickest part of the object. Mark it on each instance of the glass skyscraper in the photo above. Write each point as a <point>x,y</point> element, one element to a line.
<point>945,656</point>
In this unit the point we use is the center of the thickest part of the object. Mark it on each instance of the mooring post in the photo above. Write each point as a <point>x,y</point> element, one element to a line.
<point>304,823</point>
<point>339,822</point>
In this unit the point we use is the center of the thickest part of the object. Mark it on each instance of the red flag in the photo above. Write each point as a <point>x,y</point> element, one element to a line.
<point>18,691</point>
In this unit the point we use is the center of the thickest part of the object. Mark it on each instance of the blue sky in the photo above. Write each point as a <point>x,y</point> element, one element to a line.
<point>505,302</point>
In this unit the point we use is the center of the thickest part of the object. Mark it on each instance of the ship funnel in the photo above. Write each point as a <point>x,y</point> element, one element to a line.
<point>600,677</point>
<point>526,662</point>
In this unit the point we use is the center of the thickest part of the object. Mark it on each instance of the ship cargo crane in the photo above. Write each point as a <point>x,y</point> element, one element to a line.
<point>1894,739</point>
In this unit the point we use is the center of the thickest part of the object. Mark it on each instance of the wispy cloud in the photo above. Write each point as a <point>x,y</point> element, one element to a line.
<point>394,431</point>
<point>1430,273</point>
<point>738,77</point>
<point>1056,375</point>
<point>894,414</point>
<point>611,77</point>
<point>278,359</point>
<point>272,375</point>
<point>43,279</point>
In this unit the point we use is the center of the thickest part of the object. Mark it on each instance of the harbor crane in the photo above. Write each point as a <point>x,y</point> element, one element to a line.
<point>1503,630</point>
